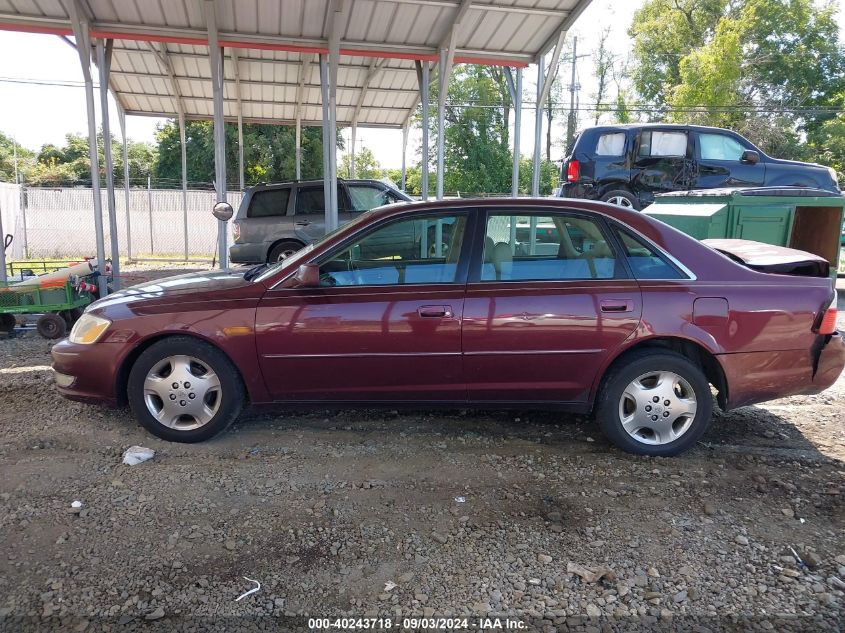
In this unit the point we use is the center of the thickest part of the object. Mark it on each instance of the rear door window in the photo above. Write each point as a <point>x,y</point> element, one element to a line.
<point>611,144</point>
<point>310,200</point>
<point>553,247</point>
<point>268,203</point>
<point>657,143</point>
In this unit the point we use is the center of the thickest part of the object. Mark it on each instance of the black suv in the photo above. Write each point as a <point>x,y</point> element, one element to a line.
<point>628,164</point>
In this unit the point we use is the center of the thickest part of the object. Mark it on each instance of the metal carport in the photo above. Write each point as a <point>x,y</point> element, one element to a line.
<point>295,62</point>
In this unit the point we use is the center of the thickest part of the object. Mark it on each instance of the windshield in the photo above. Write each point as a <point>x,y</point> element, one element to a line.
<point>299,255</point>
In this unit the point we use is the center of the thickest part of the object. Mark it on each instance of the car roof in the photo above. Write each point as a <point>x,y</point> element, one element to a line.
<point>288,183</point>
<point>674,126</point>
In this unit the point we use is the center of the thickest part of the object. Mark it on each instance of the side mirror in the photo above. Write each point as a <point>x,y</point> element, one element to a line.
<point>223,211</point>
<point>308,276</point>
<point>750,157</point>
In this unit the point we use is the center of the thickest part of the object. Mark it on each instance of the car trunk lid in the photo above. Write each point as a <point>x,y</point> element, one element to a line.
<point>768,258</point>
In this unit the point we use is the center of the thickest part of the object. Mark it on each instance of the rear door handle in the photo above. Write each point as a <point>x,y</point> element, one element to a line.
<point>302,222</point>
<point>617,305</point>
<point>435,312</point>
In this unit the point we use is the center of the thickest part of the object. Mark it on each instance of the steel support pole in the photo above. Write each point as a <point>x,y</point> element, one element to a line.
<point>404,155</point>
<point>443,72</point>
<point>324,99</point>
<point>184,145</point>
<point>425,106</point>
<point>122,120</point>
<point>104,63</point>
<point>216,60</point>
<point>331,209</point>
<point>298,157</point>
<point>84,48</point>
<point>517,130</point>
<point>538,130</point>
<point>352,139</point>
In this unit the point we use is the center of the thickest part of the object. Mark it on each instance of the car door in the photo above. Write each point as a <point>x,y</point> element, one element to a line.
<point>662,162</point>
<point>310,211</point>
<point>547,302</point>
<point>264,219</point>
<point>381,327</point>
<point>720,164</point>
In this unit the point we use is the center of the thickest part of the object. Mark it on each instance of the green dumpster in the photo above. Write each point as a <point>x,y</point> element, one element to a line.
<point>807,219</point>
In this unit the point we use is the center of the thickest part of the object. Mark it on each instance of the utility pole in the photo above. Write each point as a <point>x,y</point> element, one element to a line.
<point>571,120</point>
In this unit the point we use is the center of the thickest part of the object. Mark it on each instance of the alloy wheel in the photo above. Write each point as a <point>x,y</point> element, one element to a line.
<point>621,201</point>
<point>182,392</point>
<point>658,407</point>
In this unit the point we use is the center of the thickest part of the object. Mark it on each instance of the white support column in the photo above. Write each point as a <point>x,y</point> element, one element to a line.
<point>122,121</point>
<point>83,46</point>
<point>352,139</point>
<point>538,130</point>
<point>336,22</point>
<point>184,146</point>
<point>424,81</point>
<point>404,155</point>
<point>104,65</point>
<point>444,69</point>
<point>234,54</point>
<point>298,157</point>
<point>515,87</point>
<point>216,61</point>
<point>324,100</point>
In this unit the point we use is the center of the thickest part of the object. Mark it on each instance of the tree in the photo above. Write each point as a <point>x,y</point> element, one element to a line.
<point>602,71</point>
<point>8,148</point>
<point>366,165</point>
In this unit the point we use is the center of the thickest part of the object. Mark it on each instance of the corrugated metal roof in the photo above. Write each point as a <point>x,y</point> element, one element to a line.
<point>276,44</point>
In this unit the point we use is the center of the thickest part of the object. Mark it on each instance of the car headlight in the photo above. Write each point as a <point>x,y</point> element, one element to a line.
<point>88,329</point>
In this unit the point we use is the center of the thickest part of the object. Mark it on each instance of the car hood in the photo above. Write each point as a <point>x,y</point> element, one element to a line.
<point>205,285</point>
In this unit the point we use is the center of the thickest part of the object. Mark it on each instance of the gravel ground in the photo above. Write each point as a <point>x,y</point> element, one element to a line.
<point>529,517</point>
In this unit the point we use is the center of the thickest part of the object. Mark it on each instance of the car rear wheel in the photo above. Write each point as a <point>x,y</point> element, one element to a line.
<point>184,390</point>
<point>283,250</point>
<point>655,403</point>
<point>622,198</point>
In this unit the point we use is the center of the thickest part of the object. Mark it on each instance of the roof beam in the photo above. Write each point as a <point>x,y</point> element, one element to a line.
<point>451,4</point>
<point>265,121</point>
<point>374,70</point>
<point>160,51</point>
<point>230,39</point>
<point>304,68</point>
<point>564,27</point>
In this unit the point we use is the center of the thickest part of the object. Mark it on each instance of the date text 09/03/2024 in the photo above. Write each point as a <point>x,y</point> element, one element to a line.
<point>435,624</point>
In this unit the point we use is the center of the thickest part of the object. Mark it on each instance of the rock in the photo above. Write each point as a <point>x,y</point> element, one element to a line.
<point>652,572</point>
<point>622,590</point>
<point>590,574</point>
<point>440,538</point>
<point>408,576</point>
<point>680,597</point>
<point>544,558</point>
<point>421,597</point>
<point>709,508</point>
<point>811,558</point>
<point>693,594</point>
<point>788,512</point>
<point>230,544</point>
<point>158,614</point>
<point>741,540</point>
<point>593,611</point>
<point>840,559</point>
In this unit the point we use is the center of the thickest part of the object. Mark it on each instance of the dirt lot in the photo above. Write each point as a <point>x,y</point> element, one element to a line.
<point>387,514</point>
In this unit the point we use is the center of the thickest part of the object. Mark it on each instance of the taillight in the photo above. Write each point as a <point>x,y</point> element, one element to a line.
<point>573,170</point>
<point>236,231</point>
<point>827,325</point>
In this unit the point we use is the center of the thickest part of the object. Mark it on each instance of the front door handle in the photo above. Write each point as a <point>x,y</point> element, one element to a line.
<point>302,222</point>
<point>617,305</point>
<point>435,312</point>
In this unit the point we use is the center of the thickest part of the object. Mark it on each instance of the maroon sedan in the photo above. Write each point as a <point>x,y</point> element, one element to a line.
<point>528,303</point>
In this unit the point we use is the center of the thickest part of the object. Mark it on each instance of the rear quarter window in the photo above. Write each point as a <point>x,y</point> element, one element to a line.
<point>644,260</point>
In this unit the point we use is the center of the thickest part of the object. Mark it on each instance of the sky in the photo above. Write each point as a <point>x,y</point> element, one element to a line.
<point>35,113</point>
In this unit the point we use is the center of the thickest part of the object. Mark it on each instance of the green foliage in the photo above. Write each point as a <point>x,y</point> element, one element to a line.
<point>366,165</point>
<point>26,158</point>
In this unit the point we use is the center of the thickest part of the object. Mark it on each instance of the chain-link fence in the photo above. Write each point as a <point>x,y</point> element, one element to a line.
<point>58,223</point>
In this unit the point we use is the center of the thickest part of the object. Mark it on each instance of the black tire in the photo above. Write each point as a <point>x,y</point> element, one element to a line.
<point>615,196</point>
<point>51,326</point>
<point>232,393</point>
<point>71,316</point>
<point>635,365</point>
<point>7,322</point>
<point>283,250</point>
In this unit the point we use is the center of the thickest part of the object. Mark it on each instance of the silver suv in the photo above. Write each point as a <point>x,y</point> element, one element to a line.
<point>276,220</point>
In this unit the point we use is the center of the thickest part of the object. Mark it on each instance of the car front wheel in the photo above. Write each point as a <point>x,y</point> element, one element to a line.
<point>655,403</point>
<point>184,390</point>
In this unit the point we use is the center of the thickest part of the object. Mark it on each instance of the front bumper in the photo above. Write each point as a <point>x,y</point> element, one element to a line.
<point>88,373</point>
<point>760,376</point>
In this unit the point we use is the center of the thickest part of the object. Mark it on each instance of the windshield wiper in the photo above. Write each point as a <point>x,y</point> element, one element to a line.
<point>253,272</point>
